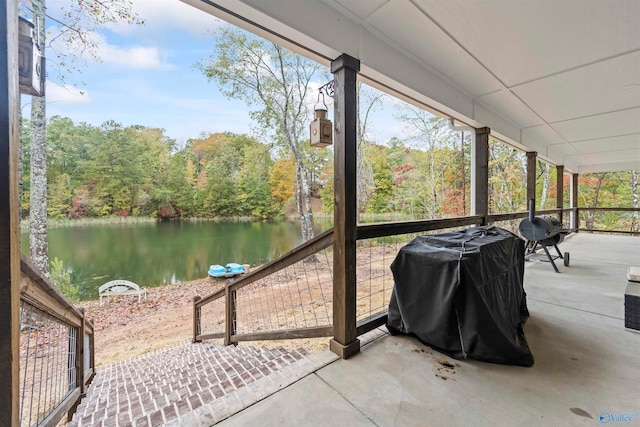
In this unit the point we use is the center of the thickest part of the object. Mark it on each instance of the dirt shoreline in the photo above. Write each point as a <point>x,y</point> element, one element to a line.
<point>125,328</point>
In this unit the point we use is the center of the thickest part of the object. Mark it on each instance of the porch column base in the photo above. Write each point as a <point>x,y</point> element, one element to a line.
<point>345,351</point>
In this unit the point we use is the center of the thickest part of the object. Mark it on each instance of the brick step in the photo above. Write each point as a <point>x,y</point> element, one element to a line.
<point>163,385</point>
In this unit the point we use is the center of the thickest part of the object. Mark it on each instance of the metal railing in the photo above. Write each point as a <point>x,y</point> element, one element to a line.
<point>292,297</point>
<point>596,220</point>
<point>511,221</point>
<point>569,219</point>
<point>378,246</point>
<point>56,351</point>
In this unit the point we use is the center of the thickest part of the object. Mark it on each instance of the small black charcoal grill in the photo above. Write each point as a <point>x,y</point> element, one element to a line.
<point>540,232</point>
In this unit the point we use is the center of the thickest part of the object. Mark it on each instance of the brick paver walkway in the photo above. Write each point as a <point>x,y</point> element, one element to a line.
<point>190,384</point>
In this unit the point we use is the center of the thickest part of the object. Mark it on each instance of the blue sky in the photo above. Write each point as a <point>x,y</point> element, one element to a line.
<point>147,76</point>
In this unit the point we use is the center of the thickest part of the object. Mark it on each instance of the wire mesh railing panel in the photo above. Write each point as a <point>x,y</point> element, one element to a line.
<point>295,297</point>
<point>607,220</point>
<point>87,352</point>
<point>512,225</point>
<point>211,318</point>
<point>566,218</point>
<point>47,364</point>
<point>374,280</point>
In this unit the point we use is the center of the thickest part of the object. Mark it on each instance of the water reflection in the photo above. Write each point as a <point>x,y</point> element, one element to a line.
<point>156,254</point>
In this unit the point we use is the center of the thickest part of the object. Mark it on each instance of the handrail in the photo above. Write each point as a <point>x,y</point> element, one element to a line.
<point>602,230</point>
<point>310,247</point>
<point>610,209</point>
<point>319,242</point>
<point>211,297</point>
<point>364,231</point>
<point>46,310</point>
<point>311,332</point>
<point>39,291</point>
<point>549,211</point>
<point>383,229</point>
<point>523,214</point>
<point>324,240</point>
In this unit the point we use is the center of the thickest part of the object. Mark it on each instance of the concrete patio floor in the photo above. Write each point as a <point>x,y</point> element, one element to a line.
<point>586,372</point>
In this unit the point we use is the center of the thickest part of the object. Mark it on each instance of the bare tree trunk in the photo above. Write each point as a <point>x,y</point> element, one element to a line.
<point>505,190</point>
<point>303,201</point>
<point>364,183</point>
<point>307,222</point>
<point>20,168</point>
<point>303,195</point>
<point>364,178</point>
<point>38,191</point>
<point>464,178</point>
<point>545,186</point>
<point>634,192</point>
<point>433,180</point>
<point>592,215</point>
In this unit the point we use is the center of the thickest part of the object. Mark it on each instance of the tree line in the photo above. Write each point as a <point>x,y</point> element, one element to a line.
<point>112,170</point>
<point>65,48</point>
<point>77,170</point>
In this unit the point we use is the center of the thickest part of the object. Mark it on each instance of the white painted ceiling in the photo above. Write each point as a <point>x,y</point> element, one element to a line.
<point>559,77</point>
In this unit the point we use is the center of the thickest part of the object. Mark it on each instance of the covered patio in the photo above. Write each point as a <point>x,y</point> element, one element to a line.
<point>585,369</point>
<point>547,78</point>
<point>559,80</point>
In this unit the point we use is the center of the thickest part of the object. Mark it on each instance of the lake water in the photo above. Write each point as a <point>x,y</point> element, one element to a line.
<point>154,254</point>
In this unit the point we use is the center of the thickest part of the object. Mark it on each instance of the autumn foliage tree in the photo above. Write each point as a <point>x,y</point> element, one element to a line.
<point>276,83</point>
<point>91,173</point>
<point>73,39</point>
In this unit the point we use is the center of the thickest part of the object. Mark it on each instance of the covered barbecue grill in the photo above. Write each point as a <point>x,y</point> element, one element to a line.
<point>461,292</point>
<point>540,232</point>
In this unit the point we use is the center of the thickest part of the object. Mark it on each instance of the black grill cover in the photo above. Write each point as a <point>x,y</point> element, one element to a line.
<point>461,292</point>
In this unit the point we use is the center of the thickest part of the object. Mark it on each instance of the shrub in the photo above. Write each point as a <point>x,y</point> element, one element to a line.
<point>62,279</point>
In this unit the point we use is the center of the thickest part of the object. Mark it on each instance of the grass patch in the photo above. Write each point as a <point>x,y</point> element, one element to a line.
<point>58,223</point>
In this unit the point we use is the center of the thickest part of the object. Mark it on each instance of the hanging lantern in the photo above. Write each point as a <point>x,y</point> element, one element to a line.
<point>321,129</point>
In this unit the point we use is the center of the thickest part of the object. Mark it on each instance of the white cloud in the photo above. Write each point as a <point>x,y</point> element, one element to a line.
<point>161,15</point>
<point>135,56</point>
<point>140,57</point>
<point>158,16</point>
<point>66,93</point>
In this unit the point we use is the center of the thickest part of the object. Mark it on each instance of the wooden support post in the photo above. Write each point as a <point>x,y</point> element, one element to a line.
<point>234,314</point>
<point>480,173</point>
<point>560,191</point>
<point>560,187</point>
<point>345,342</point>
<point>92,348</point>
<point>79,364</point>
<point>80,353</point>
<point>532,160</point>
<point>196,319</point>
<point>9,225</point>
<point>575,218</point>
